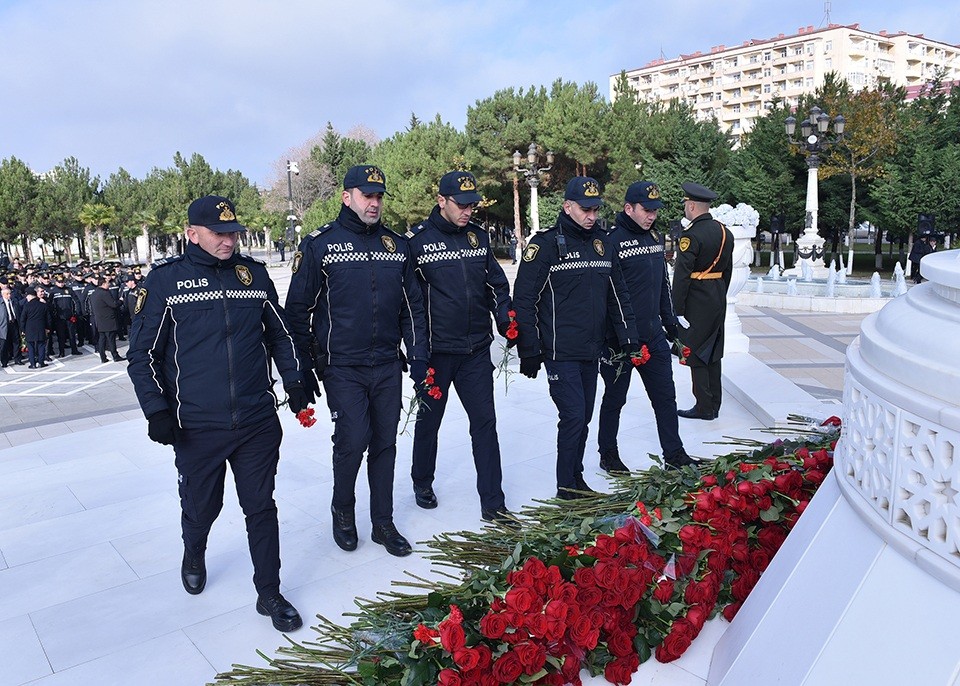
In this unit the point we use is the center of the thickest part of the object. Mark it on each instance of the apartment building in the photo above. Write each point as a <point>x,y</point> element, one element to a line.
<point>735,84</point>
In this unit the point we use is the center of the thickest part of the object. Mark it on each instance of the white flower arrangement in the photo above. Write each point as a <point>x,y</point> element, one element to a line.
<point>741,215</point>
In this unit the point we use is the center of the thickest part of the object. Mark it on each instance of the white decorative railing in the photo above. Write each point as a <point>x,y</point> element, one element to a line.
<point>898,460</point>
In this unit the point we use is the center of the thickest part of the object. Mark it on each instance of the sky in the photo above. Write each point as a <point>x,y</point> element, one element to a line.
<point>127,83</point>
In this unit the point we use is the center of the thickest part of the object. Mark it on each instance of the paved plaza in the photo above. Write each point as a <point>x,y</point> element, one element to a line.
<point>89,515</point>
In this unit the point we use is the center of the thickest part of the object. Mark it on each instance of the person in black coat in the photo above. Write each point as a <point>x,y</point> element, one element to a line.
<point>105,307</point>
<point>35,325</point>
<point>701,277</point>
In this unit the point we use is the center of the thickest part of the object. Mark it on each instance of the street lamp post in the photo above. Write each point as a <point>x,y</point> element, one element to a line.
<point>815,140</point>
<point>533,171</point>
<point>292,169</point>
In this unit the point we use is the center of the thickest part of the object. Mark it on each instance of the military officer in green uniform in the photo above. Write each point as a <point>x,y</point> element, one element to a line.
<point>704,264</point>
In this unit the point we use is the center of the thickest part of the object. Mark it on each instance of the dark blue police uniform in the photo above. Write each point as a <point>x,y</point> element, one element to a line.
<point>568,283</point>
<point>463,284</point>
<point>352,297</point>
<point>203,333</point>
<point>641,257</point>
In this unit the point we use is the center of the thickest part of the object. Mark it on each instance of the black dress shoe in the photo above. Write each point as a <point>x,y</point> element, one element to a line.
<point>693,414</point>
<point>118,358</point>
<point>344,528</point>
<point>582,485</point>
<point>611,463</point>
<point>570,494</point>
<point>32,366</point>
<point>76,352</point>
<point>388,536</point>
<point>425,497</point>
<point>501,517</point>
<point>679,459</point>
<point>193,573</point>
<point>284,615</point>
<point>43,364</point>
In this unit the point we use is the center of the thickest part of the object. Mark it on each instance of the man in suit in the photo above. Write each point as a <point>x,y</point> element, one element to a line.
<point>9,328</point>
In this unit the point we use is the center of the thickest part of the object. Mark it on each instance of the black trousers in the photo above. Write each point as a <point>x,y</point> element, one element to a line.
<point>11,345</point>
<point>107,340</point>
<point>707,388</point>
<point>66,334</point>
<point>657,378</point>
<point>472,376</point>
<point>364,404</point>
<point>253,453</point>
<point>573,387</point>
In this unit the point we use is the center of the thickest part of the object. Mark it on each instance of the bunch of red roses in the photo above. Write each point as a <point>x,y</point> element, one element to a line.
<point>601,590</point>
<point>739,521</point>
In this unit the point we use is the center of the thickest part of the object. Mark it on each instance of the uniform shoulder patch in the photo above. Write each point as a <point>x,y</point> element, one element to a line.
<point>684,244</point>
<point>414,230</point>
<point>165,261</point>
<point>530,253</point>
<point>317,232</point>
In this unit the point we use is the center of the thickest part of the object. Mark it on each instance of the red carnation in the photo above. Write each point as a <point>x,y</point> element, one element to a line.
<point>426,635</point>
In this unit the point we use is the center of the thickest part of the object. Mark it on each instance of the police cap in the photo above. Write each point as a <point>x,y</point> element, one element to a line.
<point>583,190</point>
<point>697,193</point>
<point>366,178</point>
<point>216,213</point>
<point>646,193</point>
<point>461,186</point>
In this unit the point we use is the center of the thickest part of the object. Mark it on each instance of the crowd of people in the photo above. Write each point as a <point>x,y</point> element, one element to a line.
<point>50,310</point>
<point>366,305</point>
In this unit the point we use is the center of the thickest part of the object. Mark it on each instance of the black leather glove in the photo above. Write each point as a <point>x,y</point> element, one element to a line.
<point>502,328</point>
<point>297,397</point>
<point>418,371</point>
<point>631,350</point>
<point>530,366</point>
<point>672,331</point>
<point>404,367</point>
<point>162,428</point>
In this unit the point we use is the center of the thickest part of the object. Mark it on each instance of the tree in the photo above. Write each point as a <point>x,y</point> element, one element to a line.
<point>496,127</point>
<point>764,173</point>
<point>18,195</point>
<point>413,162</point>
<point>870,136</point>
<point>62,192</point>
<point>96,216</point>
<point>573,123</point>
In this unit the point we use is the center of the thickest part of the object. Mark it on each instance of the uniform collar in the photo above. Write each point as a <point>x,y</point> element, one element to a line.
<point>624,221</point>
<point>570,227</point>
<point>701,218</point>
<point>349,220</point>
<point>198,255</point>
<point>439,221</point>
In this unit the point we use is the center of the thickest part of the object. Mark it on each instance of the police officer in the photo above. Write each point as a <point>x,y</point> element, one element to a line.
<point>203,326</point>
<point>640,252</point>
<point>463,285</point>
<point>352,297</point>
<point>569,281</point>
<point>701,276</point>
<point>78,287</point>
<point>131,291</point>
<point>65,322</point>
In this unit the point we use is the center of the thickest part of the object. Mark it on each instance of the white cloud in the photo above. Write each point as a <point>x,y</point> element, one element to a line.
<point>128,83</point>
